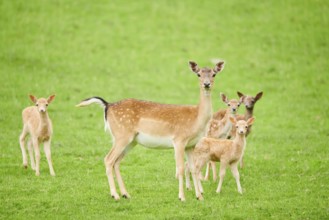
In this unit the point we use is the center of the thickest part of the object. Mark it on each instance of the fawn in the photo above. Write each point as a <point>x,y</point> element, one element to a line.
<point>222,128</point>
<point>228,152</point>
<point>218,129</point>
<point>37,124</point>
<point>249,102</point>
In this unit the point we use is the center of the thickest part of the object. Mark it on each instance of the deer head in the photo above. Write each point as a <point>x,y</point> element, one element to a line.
<point>249,101</point>
<point>42,103</point>
<point>232,104</point>
<point>242,125</point>
<point>206,75</point>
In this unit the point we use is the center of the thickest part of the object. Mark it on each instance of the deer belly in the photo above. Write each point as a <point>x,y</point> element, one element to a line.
<point>156,142</point>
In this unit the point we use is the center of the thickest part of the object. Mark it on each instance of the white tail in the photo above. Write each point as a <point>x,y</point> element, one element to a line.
<point>156,125</point>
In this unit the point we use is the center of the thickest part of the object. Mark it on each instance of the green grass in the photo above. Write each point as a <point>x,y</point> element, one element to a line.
<point>140,49</point>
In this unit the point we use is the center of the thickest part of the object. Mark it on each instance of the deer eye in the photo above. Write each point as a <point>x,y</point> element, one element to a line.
<point>228,104</point>
<point>198,75</point>
<point>246,126</point>
<point>238,105</point>
<point>236,126</point>
<point>36,104</point>
<point>46,104</point>
<point>213,75</point>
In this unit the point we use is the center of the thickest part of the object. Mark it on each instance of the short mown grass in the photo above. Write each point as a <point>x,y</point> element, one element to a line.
<point>140,49</point>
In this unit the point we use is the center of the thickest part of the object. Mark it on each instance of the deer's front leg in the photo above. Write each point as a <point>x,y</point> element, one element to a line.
<point>195,170</point>
<point>35,143</point>
<point>179,156</point>
<point>48,155</point>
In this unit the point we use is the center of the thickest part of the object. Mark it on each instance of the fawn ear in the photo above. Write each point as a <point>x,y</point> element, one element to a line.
<point>33,98</point>
<point>194,67</point>
<point>239,94</point>
<point>250,121</point>
<point>224,98</point>
<point>233,120</point>
<point>219,67</point>
<point>258,96</point>
<point>50,98</point>
<point>241,99</point>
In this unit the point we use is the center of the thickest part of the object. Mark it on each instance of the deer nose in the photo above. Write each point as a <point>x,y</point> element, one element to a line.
<point>206,85</point>
<point>233,109</point>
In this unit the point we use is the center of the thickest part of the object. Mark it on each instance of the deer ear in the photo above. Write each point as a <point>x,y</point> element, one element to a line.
<point>219,66</point>
<point>33,98</point>
<point>194,67</point>
<point>239,94</point>
<point>233,120</point>
<point>224,98</point>
<point>250,121</point>
<point>50,98</point>
<point>241,99</point>
<point>258,96</point>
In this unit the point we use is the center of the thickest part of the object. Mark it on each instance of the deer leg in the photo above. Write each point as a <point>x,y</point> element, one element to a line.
<point>35,143</point>
<point>241,163</point>
<point>30,148</point>
<point>46,148</point>
<point>110,159</point>
<point>206,176</point>
<point>187,176</point>
<point>121,184</point>
<point>179,156</point>
<point>195,170</point>
<point>235,172</point>
<point>214,170</point>
<point>22,144</point>
<point>222,172</point>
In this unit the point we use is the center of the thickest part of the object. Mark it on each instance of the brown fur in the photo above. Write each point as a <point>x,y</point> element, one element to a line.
<point>221,128</point>
<point>228,152</point>
<point>133,121</point>
<point>249,102</point>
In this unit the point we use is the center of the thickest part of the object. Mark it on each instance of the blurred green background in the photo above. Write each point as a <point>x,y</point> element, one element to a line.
<point>140,49</point>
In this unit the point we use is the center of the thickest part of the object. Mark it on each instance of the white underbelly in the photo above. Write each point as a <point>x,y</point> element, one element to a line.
<point>154,142</point>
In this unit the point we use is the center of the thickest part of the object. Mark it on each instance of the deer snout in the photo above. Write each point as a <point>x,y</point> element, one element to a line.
<point>206,85</point>
<point>241,131</point>
<point>42,110</point>
<point>233,109</point>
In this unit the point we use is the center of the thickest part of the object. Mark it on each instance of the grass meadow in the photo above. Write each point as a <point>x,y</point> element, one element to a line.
<point>140,49</point>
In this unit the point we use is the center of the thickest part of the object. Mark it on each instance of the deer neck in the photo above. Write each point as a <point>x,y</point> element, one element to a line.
<point>205,107</point>
<point>44,120</point>
<point>249,113</point>
<point>240,143</point>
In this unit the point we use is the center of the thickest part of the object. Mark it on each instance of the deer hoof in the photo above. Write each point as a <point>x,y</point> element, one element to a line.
<point>126,196</point>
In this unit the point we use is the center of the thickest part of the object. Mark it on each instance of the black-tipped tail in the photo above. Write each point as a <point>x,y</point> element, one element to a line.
<point>96,99</point>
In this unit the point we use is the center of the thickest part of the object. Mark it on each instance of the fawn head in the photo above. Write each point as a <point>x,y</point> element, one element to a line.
<point>42,103</point>
<point>249,101</point>
<point>232,104</point>
<point>242,125</point>
<point>206,75</point>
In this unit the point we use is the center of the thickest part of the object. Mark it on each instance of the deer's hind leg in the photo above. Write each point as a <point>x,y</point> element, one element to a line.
<point>118,148</point>
<point>30,149</point>
<point>22,145</point>
<point>121,184</point>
